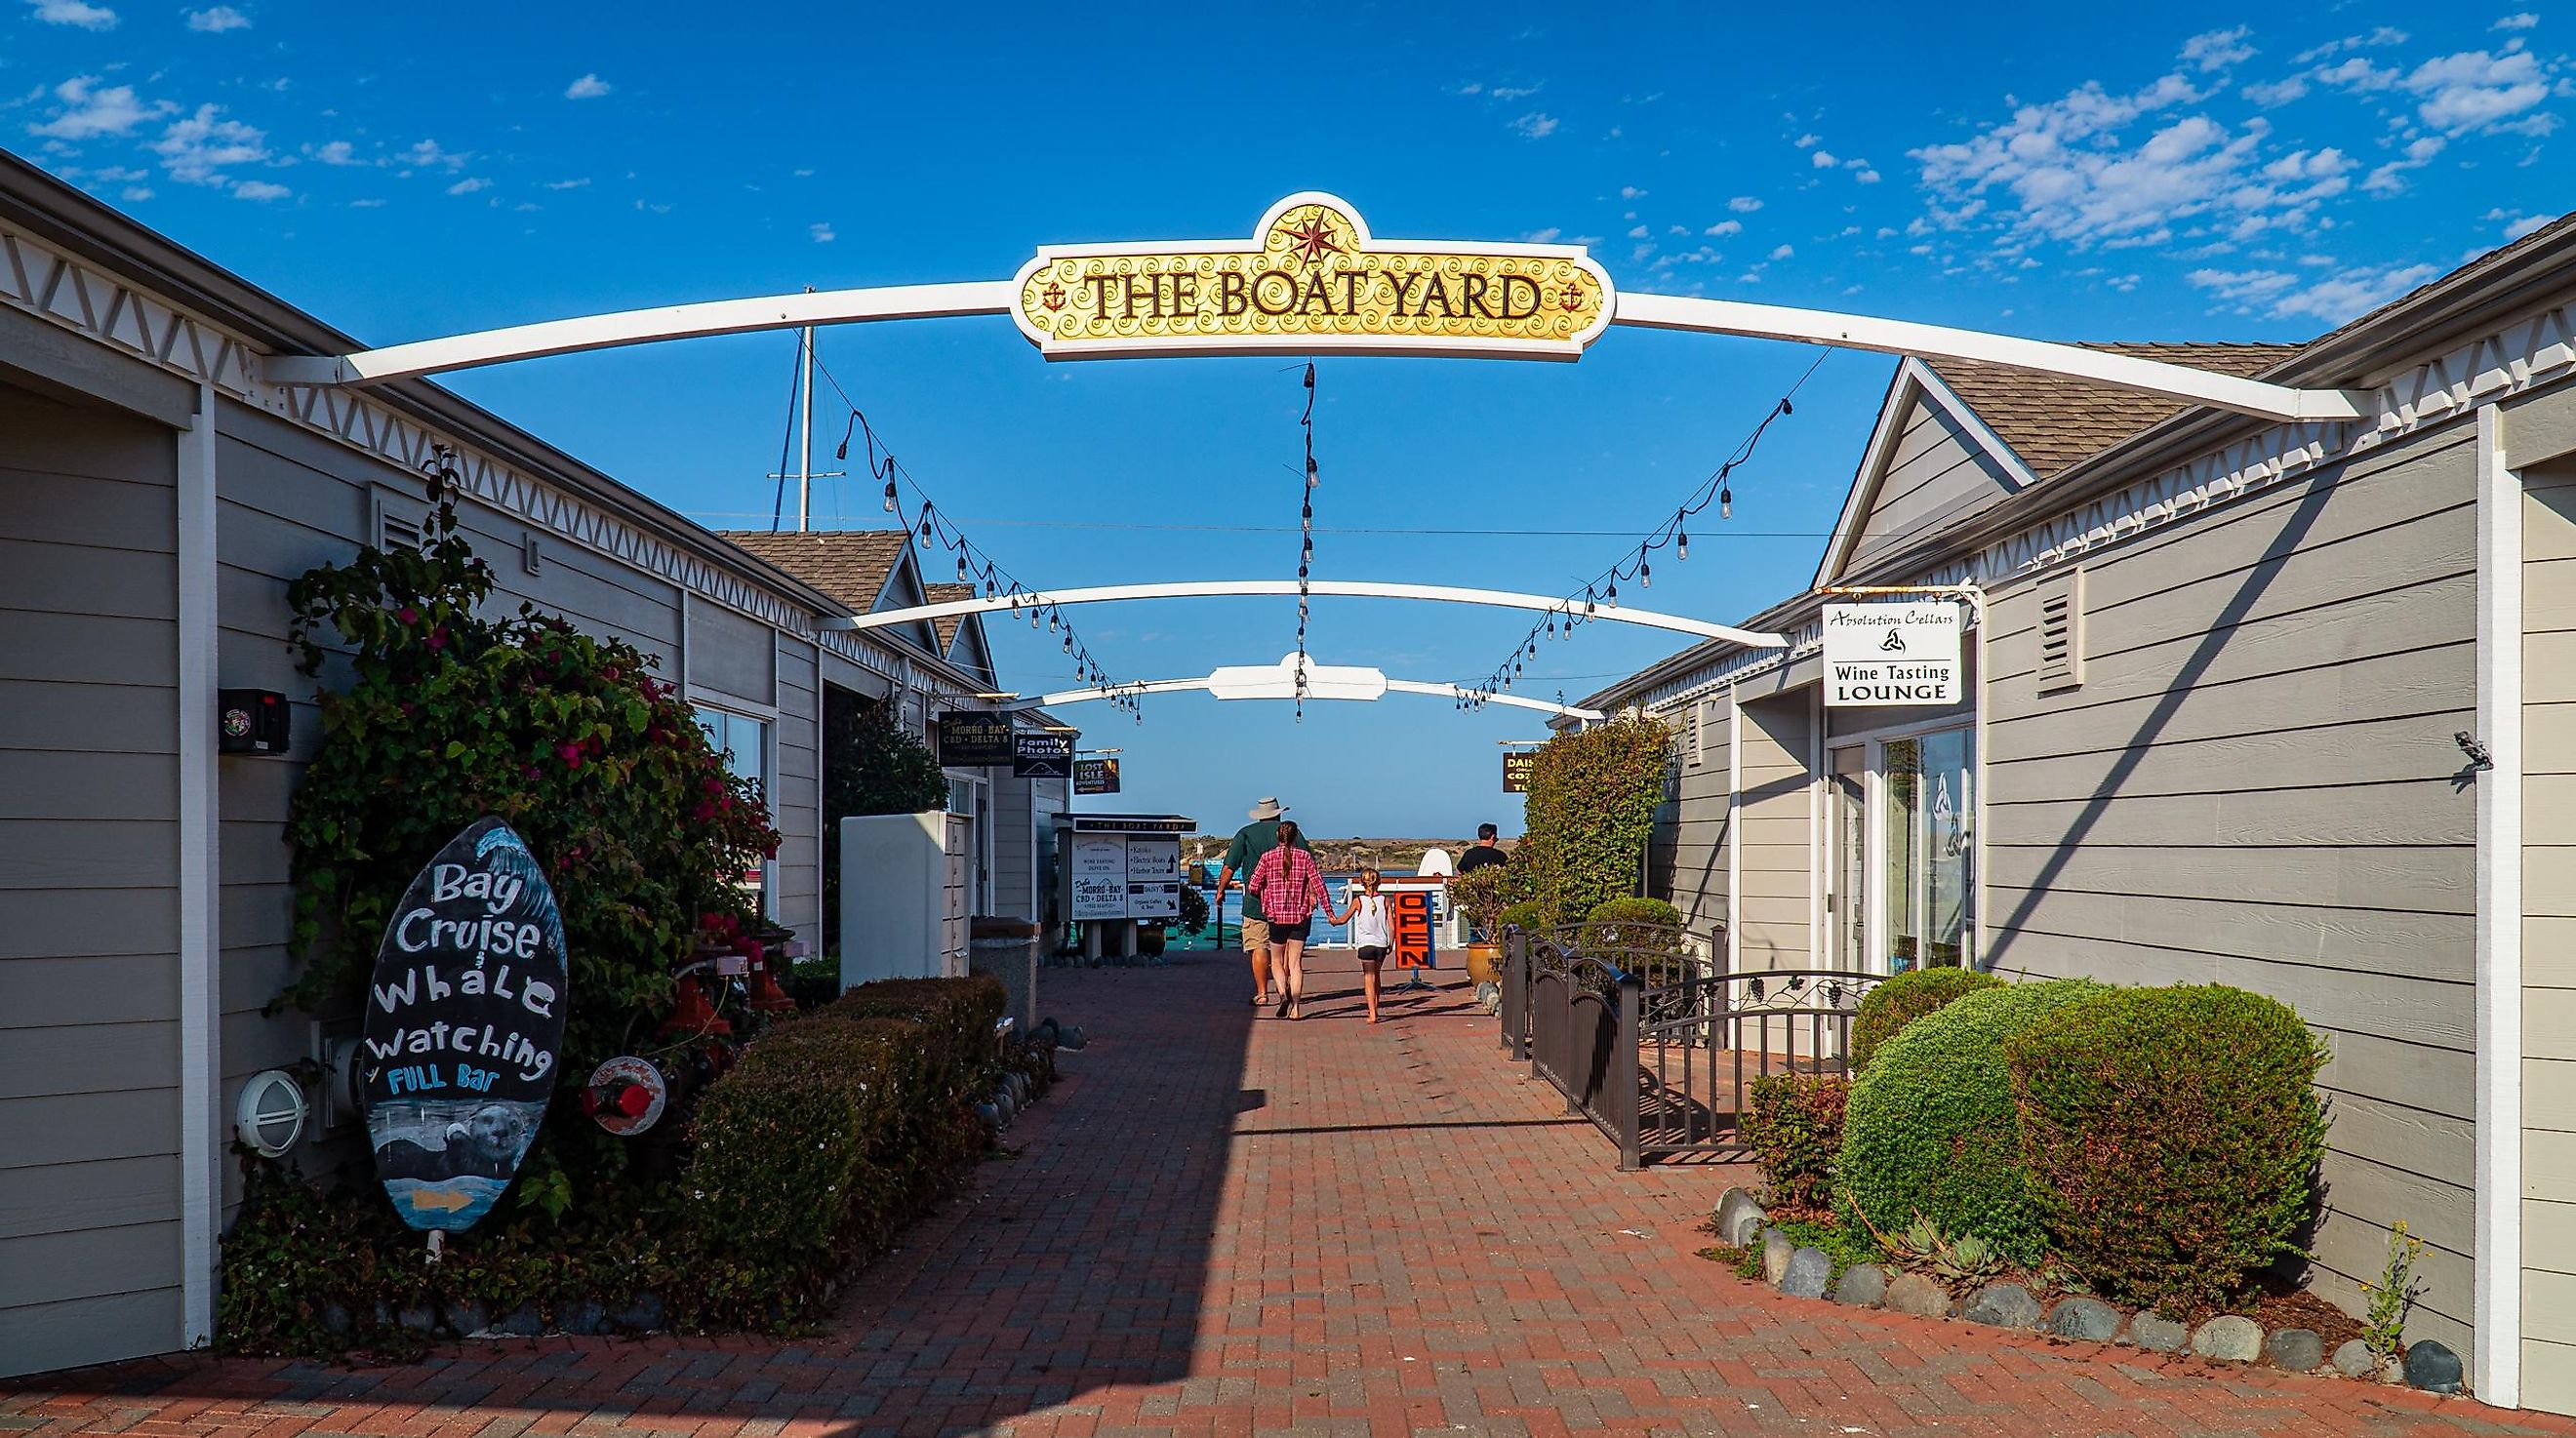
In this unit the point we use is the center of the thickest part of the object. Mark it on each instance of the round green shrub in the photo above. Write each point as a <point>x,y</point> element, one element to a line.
<point>1905,998</point>
<point>1931,1129</point>
<point>1793,1122</point>
<point>2172,1137</point>
<point>1529,914</point>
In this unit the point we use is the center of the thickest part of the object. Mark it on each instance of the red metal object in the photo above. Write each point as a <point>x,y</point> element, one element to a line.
<point>692,1014</point>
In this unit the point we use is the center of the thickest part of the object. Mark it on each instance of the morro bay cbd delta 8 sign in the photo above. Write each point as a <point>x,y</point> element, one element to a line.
<point>464,1028</point>
<point>1891,654</point>
<point>1312,280</point>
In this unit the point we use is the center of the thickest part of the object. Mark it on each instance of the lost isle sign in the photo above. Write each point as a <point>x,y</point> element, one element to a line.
<point>1312,280</point>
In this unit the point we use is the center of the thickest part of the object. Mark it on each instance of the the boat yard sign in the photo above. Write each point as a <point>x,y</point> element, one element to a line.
<point>1311,280</point>
<point>1890,654</point>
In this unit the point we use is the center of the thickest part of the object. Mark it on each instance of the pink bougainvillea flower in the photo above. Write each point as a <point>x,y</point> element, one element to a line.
<point>407,615</point>
<point>569,753</point>
<point>438,637</point>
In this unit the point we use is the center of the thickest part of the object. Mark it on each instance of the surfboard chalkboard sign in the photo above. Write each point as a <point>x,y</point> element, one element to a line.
<point>464,1028</point>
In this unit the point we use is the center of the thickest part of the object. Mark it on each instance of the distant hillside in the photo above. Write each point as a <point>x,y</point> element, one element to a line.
<point>1393,855</point>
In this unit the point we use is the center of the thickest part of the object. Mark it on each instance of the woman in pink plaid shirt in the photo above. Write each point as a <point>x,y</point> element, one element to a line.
<point>1291,887</point>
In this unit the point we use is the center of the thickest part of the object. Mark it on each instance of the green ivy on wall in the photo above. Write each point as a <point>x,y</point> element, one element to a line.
<point>1591,807</point>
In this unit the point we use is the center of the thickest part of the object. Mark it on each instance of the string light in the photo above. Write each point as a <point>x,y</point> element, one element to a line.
<point>1305,537</point>
<point>1718,488</point>
<point>928,524</point>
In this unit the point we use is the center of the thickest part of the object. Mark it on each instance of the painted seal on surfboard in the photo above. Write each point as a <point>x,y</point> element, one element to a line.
<point>464,1028</point>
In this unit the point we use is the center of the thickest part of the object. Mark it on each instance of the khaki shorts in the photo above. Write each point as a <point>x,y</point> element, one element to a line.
<point>1256,935</point>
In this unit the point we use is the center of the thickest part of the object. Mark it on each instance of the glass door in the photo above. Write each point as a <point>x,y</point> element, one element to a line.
<point>1926,816</point>
<point>1847,904</point>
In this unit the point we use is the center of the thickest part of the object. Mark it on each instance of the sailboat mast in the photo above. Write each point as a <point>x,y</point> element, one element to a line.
<point>805,425</point>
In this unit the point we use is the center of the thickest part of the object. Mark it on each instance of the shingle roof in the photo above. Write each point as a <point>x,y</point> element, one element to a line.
<point>947,625</point>
<point>2053,422</point>
<point>850,565</point>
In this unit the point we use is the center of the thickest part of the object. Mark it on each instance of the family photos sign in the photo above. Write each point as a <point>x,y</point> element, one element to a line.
<point>464,1028</point>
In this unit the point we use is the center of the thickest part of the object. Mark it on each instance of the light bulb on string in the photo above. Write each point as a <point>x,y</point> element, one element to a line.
<point>1725,503</point>
<point>1645,573</point>
<point>1611,596</point>
<point>1681,539</point>
<point>889,496</point>
<point>925,522</point>
<point>961,566</point>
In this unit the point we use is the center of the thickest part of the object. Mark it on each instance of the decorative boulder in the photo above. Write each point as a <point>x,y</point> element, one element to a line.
<point>1913,1293</point>
<point>467,1317</point>
<point>2355,1360</point>
<point>418,1318</point>
<point>2002,1305</point>
<point>1776,1249</point>
<point>2432,1367</point>
<point>1863,1285</point>
<point>1808,1272</point>
<point>2298,1349</point>
<point>2229,1338</point>
<point>526,1322</point>
<point>1739,1218</point>
<point>583,1316</point>
<point>2158,1335</point>
<point>2087,1318</point>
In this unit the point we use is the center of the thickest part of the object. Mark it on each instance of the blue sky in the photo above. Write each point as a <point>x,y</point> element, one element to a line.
<point>2180,171</point>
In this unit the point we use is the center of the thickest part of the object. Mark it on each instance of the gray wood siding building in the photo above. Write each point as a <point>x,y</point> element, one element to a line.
<point>156,498</point>
<point>2239,679</point>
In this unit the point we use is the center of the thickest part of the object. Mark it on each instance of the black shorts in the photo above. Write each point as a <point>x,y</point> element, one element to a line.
<point>1291,933</point>
<point>1372,953</point>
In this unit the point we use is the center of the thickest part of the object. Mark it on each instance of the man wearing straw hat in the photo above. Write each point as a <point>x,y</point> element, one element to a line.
<point>1251,842</point>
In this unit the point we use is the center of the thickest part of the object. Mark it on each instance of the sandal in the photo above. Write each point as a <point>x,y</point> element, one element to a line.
<point>1282,1011</point>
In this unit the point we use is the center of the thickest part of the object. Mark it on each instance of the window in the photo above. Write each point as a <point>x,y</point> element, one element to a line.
<point>1901,812</point>
<point>744,742</point>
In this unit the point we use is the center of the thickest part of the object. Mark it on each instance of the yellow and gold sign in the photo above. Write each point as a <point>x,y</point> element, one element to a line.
<point>1311,280</point>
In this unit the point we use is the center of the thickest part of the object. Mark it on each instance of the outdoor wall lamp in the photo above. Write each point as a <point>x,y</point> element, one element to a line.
<point>2479,757</point>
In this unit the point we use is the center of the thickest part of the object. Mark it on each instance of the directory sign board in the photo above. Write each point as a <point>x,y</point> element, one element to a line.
<point>1879,655</point>
<point>1099,876</point>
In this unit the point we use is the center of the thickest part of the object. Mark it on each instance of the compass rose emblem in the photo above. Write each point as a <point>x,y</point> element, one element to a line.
<point>1313,239</point>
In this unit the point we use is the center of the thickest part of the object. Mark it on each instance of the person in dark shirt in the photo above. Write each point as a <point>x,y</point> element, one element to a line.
<point>1483,855</point>
<point>1251,842</point>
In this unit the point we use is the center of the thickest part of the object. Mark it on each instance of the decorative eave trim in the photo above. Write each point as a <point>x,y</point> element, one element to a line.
<point>99,306</point>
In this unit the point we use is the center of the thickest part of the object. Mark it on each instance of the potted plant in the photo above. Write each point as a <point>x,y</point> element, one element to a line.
<point>1479,896</point>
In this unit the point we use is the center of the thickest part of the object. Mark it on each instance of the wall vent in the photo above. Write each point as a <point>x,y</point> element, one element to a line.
<point>401,521</point>
<point>2061,631</point>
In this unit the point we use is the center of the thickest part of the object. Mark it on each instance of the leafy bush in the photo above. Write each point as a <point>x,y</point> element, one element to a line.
<point>1591,807</point>
<point>1527,916</point>
<point>2172,1137</point>
<point>1931,1130</point>
<point>830,1133</point>
<point>1794,1125</point>
<point>1903,999</point>
<point>871,766</point>
<point>1479,896</point>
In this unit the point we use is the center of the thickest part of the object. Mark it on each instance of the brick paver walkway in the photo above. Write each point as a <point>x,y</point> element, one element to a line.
<point>1221,1226</point>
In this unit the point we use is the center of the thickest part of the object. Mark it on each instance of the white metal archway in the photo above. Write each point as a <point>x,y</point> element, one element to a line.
<point>1279,682</point>
<point>1228,314</point>
<point>1349,588</point>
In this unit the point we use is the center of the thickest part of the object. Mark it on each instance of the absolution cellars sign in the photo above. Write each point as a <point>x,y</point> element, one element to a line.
<point>464,1028</point>
<point>1878,655</point>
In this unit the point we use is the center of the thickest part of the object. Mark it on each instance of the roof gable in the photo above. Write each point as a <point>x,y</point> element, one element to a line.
<point>1930,461</point>
<point>962,640</point>
<point>867,569</point>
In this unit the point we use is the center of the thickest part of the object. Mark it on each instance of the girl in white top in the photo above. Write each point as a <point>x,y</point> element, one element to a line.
<point>1372,933</point>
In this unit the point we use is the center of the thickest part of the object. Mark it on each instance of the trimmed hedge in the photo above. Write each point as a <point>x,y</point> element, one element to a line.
<point>829,1134</point>
<point>1794,1125</point>
<point>1931,1127</point>
<point>1901,1000</point>
<point>2172,1136</point>
<point>1609,917</point>
<point>1530,915</point>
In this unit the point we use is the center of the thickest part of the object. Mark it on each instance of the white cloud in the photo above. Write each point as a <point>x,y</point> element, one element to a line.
<point>1543,236</point>
<point>366,204</point>
<point>568,184</point>
<point>2385,35</point>
<point>1783,252</point>
<point>469,186</point>
<point>2280,294</point>
<point>2389,179</point>
<point>138,192</point>
<point>822,233</point>
<point>2218,49</point>
<point>2473,90</point>
<point>1823,160</point>
<point>1637,232</point>
<point>217,20</point>
<point>1725,227</point>
<point>1470,88</point>
<point>588,87</point>
<point>1808,142</point>
<point>1744,204</point>
<point>427,153</point>
<point>88,111</point>
<point>2272,94</point>
<point>1866,177</point>
<point>2522,21</point>
<point>1513,92</point>
<point>73,12</point>
<point>1536,125</point>
<point>260,190</point>
<point>337,152</point>
<point>195,149</point>
<point>1631,192</point>
<point>2359,74</point>
<point>2525,225</point>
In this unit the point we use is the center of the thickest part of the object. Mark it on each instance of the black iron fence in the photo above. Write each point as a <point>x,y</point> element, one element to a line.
<point>1645,1031</point>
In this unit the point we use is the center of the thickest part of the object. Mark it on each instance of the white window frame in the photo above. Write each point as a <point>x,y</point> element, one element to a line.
<point>767,716</point>
<point>1873,743</point>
